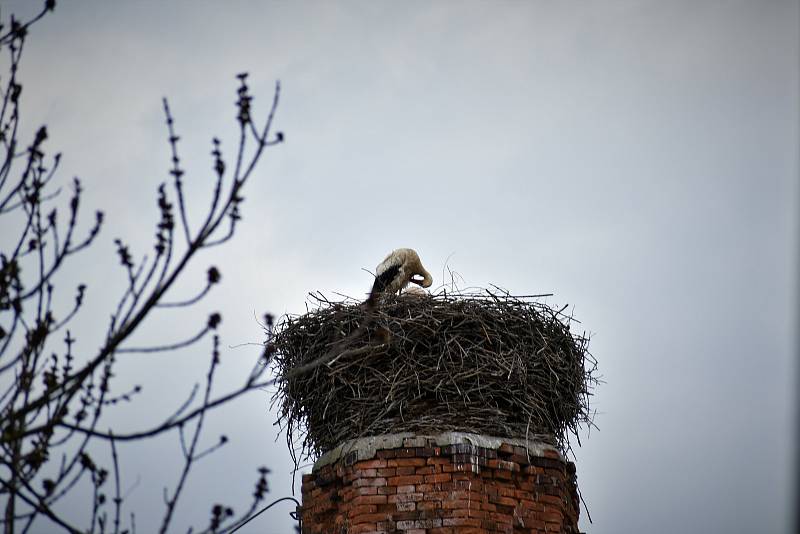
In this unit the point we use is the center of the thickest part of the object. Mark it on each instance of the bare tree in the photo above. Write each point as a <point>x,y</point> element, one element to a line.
<point>52,398</point>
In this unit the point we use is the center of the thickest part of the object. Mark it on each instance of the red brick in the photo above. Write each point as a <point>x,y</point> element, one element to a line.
<point>452,504</point>
<point>534,524</point>
<point>489,525</point>
<point>405,462</point>
<point>405,497</point>
<point>530,506</point>
<point>404,516</point>
<point>362,509</point>
<point>387,508</point>
<point>419,524</point>
<point>406,506</point>
<point>532,470</point>
<point>363,528</point>
<point>370,518</point>
<point>370,464</point>
<point>503,501</point>
<point>505,490</point>
<point>506,448</point>
<point>553,516</point>
<point>521,459</point>
<point>501,518</point>
<point>470,512</point>
<point>405,480</point>
<point>436,495</point>
<point>550,499</point>
<point>524,488</point>
<point>473,468</point>
<point>508,465</point>
<point>461,522</point>
<point>472,484</point>
<point>369,499</point>
<point>361,482</point>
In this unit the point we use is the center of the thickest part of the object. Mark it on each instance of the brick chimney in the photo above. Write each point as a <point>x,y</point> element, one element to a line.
<point>440,484</point>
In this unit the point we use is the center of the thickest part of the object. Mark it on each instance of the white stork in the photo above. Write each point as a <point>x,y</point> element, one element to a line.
<point>396,271</point>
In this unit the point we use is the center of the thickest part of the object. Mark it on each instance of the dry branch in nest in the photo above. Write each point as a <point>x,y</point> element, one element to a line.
<point>484,362</point>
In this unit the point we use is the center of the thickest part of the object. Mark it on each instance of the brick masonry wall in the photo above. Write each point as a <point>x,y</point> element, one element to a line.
<point>431,489</point>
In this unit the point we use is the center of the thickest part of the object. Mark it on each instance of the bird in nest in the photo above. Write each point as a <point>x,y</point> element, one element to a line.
<point>393,274</point>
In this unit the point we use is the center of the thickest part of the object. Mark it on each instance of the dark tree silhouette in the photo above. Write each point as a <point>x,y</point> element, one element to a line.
<point>52,398</point>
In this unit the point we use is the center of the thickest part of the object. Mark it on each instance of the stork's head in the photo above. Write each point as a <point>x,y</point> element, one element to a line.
<point>419,275</point>
<point>422,278</point>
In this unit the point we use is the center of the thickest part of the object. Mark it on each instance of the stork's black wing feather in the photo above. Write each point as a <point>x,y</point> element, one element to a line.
<point>383,279</point>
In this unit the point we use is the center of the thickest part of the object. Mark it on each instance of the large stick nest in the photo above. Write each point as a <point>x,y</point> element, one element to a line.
<point>487,362</point>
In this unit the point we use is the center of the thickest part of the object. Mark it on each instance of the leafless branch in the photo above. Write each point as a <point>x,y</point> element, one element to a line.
<point>57,398</point>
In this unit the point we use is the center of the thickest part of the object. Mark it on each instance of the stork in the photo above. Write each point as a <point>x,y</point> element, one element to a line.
<point>400,268</point>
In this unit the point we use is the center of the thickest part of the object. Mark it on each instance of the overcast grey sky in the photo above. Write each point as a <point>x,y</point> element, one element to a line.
<point>637,159</point>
